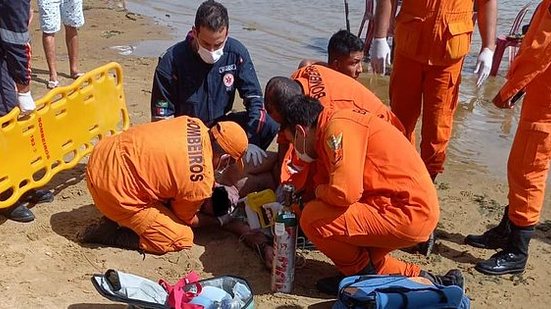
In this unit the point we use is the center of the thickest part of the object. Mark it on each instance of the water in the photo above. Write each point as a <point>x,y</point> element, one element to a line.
<point>279,33</point>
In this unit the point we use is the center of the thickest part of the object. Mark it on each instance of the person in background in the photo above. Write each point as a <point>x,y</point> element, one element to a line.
<point>528,165</point>
<point>15,91</point>
<point>431,40</point>
<point>52,13</point>
<point>345,54</point>
<point>199,76</point>
<point>373,193</point>
<point>154,188</point>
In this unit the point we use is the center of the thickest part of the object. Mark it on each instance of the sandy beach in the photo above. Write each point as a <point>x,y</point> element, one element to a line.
<point>44,266</point>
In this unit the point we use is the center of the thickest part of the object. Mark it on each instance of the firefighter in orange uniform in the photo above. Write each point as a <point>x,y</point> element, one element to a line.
<point>431,40</point>
<point>528,164</point>
<point>335,91</point>
<point>373,193</point>
<point>151,182</point>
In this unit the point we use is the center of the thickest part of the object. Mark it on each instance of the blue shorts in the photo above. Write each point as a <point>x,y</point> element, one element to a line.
<point>53,12</point>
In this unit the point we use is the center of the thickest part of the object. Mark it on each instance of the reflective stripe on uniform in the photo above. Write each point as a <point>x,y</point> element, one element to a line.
<point>12,37</point>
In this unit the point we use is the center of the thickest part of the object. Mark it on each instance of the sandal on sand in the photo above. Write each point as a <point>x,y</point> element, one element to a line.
<point>76,75</point>
<point>53,84</point>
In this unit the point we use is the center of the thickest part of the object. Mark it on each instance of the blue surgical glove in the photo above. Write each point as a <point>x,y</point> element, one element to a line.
<point>255,154</point>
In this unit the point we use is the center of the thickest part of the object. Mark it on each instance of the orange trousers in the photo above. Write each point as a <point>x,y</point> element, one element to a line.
<point>528,163</point>
<point>355,236</point>
<point>434,88</point>
<point>165,232</point>
<point>159,229</point>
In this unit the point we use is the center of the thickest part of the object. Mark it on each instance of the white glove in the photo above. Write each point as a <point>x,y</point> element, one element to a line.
<point>380,55</point>
<point>224,219</point>
<point>26,102</point>
<point>255,154</point>
<point>484,65</point>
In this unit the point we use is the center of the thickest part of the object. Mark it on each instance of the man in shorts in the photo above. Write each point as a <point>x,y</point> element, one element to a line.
<point>52,14</point>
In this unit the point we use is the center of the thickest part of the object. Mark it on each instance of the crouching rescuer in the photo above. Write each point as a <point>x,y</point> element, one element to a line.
<point>373,193</point>
<point>156,181</point>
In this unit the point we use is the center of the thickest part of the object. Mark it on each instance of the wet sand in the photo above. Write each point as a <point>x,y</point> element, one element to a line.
<point>45,267</point>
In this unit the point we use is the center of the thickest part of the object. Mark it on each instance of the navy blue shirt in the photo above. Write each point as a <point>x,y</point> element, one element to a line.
<point>15,51</point>
<point>185,85</point>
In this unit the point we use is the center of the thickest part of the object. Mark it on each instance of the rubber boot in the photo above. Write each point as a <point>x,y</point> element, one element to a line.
<point>330,285</point>
<point>513,259</point>
<point>494,238</point>
<point>109,233</point>
<point>38,196</point>
<point>18,212</point>
<point>424,248</point>
<point>452,277</point>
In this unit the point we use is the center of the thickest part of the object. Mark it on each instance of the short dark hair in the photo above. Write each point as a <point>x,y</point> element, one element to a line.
<point>279,90</point>
<point>220,201</point>
<point>213,15</point>
<point>342,44</point>
<point>300,110</point>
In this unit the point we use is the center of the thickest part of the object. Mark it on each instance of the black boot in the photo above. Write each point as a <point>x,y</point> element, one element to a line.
<point>38,196</point>
<point>513,259</point>
<point>424,248</point>
<point>494,238</point>
<point>452,277</point>
<point>330,285</point>
<point>18,212</point>
<point>109,233</point>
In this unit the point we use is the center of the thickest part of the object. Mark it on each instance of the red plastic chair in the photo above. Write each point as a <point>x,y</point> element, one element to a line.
<point>511,41</point>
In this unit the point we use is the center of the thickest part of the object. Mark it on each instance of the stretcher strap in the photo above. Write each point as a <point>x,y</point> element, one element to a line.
<point>68,122</point>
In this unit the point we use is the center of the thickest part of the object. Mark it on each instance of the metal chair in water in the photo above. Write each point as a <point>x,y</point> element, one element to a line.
<point>510,41</point>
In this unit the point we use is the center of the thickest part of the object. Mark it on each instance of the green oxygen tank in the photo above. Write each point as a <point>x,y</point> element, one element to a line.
<point>285,243</point>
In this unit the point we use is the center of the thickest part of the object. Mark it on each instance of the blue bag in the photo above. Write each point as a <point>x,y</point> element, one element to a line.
<point>390,291</point>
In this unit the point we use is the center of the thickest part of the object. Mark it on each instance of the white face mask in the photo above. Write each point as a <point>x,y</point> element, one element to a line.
<point>210,57</point>
<point>223,164</point>
<point>302,156</point>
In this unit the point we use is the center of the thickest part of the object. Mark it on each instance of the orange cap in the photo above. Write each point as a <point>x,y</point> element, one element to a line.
<point>231,137</point>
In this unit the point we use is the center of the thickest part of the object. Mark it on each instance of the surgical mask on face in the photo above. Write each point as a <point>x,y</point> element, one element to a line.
<point>302,156</point>
<point>210,57</point>
<point>223,165</point>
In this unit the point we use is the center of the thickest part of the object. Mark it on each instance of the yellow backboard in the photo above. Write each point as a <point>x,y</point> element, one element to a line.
<point>67,123</point>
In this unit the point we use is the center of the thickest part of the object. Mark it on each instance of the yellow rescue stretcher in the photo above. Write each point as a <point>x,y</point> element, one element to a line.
<point>64,128</point>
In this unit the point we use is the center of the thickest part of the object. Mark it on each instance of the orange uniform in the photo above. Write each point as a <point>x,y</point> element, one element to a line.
<point>335,91</point>
<point>373,194</point>
<point>528,164</point>
<point>153,179</point>
<point>431,40</point>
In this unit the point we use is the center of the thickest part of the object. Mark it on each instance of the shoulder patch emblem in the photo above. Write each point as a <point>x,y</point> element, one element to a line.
<point>335,143</point>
